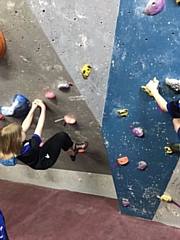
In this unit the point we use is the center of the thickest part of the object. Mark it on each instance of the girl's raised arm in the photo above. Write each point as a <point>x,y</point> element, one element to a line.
<point>28,120</point>
<point>41,120</point>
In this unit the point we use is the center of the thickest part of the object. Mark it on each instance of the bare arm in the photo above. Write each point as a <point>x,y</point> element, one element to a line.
<point>152,86</point>
<point>41,120</point>
<point>160,100</point>
<point>28,120</point>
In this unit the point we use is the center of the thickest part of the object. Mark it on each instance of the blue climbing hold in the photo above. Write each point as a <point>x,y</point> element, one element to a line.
<point>19,107</point>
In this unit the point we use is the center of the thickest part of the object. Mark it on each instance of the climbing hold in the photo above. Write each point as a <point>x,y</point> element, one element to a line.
<point>68,119</point>
<point>2,117</point>
<point>145,88</point>
<point>138,131</point>
<point>178,2</point>
<point>123,160</point>
<point>50,95</point>
<point>2,45</point>
<point>81,150</point>
<point>86,70</point>
<point>168,150</point>
<point>173,84</point>
<point>125,202</point>
<point>123,112</point>
<point>65,86</point>
<point>142,165</point>
<point>154,7</point>
<point>165,198</point>
<point>19,108</point>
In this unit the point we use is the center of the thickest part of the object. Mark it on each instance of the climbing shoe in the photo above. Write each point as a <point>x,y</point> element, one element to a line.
<point>78,146</point>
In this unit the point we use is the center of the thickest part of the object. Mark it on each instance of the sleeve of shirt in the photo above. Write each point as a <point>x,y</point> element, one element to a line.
<point>35,141</point>
<point>38,137</point>
<point>169,109</point>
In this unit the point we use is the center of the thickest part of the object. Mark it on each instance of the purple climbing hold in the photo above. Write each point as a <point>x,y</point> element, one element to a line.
<point>137,131</point>
<point>65,86</point>
<point>142,165</point>
<point>154,7</point>
<point>125,202</point>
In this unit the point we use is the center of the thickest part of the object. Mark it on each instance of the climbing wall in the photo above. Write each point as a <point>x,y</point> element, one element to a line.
<point>31,67</point>
<point>69,27</point>
<point>144,47</point>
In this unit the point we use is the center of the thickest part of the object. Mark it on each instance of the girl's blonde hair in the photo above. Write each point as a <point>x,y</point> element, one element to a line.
<point>10,141</point>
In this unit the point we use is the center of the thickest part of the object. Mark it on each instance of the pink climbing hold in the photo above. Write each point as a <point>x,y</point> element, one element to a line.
<point>125,202</point>
<point>50,95</point>
<point>2,117</point>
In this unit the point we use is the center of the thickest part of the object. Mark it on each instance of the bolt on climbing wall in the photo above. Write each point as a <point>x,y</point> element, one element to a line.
<point>135,129</point>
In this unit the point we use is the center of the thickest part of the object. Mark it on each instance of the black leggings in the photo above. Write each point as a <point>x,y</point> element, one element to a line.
<point>51,149</point>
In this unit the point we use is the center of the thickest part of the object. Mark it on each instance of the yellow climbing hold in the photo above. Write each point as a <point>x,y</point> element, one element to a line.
<point>178,2</point>
<point>168,150</point>
<point>86,70</point>
<point>165,198</point>
<point>123,112</point>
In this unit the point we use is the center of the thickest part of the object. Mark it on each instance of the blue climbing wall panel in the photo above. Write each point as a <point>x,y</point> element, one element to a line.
<point>144,47</point>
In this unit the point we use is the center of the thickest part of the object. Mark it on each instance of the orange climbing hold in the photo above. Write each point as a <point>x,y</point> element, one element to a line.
<point>123,160</point>
<point>2,45</point>
<point>81,150</point>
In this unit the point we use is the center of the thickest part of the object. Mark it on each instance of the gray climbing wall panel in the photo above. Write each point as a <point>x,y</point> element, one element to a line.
<point>81,32</point>
<point>145,47</point>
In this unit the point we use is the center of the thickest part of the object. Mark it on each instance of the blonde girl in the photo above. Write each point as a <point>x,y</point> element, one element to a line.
<point>14,146</point>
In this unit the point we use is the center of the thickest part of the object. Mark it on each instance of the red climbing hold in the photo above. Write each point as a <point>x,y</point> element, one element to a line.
<point>2,117</point>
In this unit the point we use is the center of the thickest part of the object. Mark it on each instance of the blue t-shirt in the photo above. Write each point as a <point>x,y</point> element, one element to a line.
<point>174,110</point>
<point>30,154</point>
<point>26,148</point>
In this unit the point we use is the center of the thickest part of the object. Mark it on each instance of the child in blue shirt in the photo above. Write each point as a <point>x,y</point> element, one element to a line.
<point>173,108</point>
<point>14,146</point>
